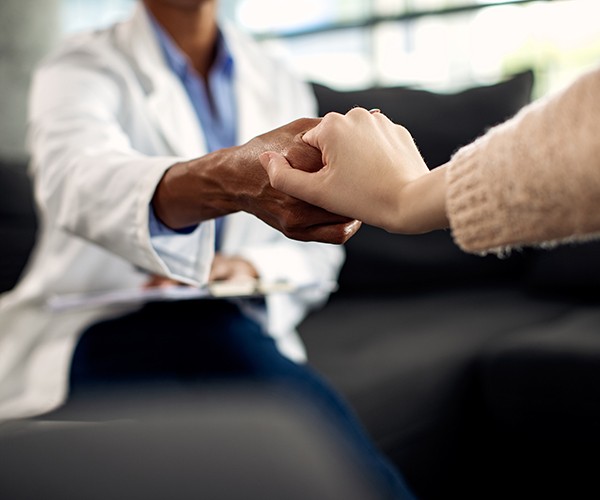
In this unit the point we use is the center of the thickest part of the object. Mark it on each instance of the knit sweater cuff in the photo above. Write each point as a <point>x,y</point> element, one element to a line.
<point>471,207</point>
<point>532,180</point>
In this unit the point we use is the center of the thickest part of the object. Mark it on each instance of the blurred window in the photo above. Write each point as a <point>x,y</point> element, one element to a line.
<point>437,44</point>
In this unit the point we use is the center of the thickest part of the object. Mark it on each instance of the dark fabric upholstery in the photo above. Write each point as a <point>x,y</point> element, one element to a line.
<point>556,368</point>
<point>234,442</point>
<point>572,269</point>
<point>407,363</point>
<point>379,262</point>
<point>540,388</point>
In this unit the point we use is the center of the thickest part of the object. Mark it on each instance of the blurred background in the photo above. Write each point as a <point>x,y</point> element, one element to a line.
<point>441,45</point>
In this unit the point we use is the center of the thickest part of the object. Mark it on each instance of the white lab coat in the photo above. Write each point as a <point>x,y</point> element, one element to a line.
<point>107,118</point>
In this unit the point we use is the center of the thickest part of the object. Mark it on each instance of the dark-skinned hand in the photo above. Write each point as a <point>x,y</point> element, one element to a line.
<point>232,179</point>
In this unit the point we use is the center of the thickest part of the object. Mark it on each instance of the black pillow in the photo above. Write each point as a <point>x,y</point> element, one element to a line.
<point>440,123</point>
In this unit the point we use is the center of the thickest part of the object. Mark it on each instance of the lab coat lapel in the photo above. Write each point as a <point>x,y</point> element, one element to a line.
<point>167,100</point>
<point>177,122</point>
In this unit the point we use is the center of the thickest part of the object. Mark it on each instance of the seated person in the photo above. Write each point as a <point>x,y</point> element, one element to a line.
<point>141,136</point>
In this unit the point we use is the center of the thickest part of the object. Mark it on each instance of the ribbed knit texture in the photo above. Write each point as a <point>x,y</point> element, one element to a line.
<point>533,180</point>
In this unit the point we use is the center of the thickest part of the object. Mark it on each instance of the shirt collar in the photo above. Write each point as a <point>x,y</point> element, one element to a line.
<point>179,62</point>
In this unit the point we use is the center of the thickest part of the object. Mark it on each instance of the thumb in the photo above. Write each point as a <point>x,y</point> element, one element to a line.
<point>283,176</point>
<point>313,136</point>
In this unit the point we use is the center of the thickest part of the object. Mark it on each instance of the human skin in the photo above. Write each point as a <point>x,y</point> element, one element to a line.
<point>372,171</point>
<point>224,268</point>
<point>232,179</point>
<point>193,26</point>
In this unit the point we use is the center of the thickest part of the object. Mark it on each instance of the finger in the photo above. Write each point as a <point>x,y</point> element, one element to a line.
<point>218,270</point>
<point>285,178</point>
<point>215,274</point>
<point>336,234</point>
<point>311,137</point>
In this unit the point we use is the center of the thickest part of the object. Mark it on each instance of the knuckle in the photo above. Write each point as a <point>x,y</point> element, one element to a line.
<point>331,118</point>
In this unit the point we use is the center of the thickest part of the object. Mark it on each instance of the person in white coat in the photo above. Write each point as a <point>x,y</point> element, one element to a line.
<point>108,118</point>
<point>141,135</point>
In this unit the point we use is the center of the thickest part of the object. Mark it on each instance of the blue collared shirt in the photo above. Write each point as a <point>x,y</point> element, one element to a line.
<point>213,100</point>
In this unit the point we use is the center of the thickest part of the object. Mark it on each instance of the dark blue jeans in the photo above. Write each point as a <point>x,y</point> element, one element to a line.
<point>206,341</point>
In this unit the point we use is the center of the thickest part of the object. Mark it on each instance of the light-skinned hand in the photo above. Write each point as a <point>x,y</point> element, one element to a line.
<point>371,168</point>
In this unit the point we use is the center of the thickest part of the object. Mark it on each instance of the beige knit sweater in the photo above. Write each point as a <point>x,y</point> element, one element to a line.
<point>533,180</point>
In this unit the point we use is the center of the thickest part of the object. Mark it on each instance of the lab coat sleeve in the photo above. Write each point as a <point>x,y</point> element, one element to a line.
<point>89,180</point>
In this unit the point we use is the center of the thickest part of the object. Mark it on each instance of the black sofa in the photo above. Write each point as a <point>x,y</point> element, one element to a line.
<point>477,376</point>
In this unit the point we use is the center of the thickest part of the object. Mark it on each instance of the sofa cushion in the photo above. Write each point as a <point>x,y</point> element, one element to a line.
<point>542,381</point>
<point>440,123</point>
<point>571,270</point>
<point>406,363</point>
<point>540,385</point>
<point>230,441</point>
<point>378,262</point>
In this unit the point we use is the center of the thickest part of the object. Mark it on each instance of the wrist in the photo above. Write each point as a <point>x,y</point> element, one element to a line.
<point>421,205</point>
<point>194,191</point>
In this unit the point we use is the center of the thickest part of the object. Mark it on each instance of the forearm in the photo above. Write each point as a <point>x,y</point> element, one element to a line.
<point>195,191</point>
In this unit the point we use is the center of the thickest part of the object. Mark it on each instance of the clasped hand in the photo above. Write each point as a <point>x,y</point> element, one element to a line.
<point>369,162</point>
<point>232,180</point>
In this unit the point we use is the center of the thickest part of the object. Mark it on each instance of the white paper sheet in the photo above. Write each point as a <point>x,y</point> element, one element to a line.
<point>224,289</point>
